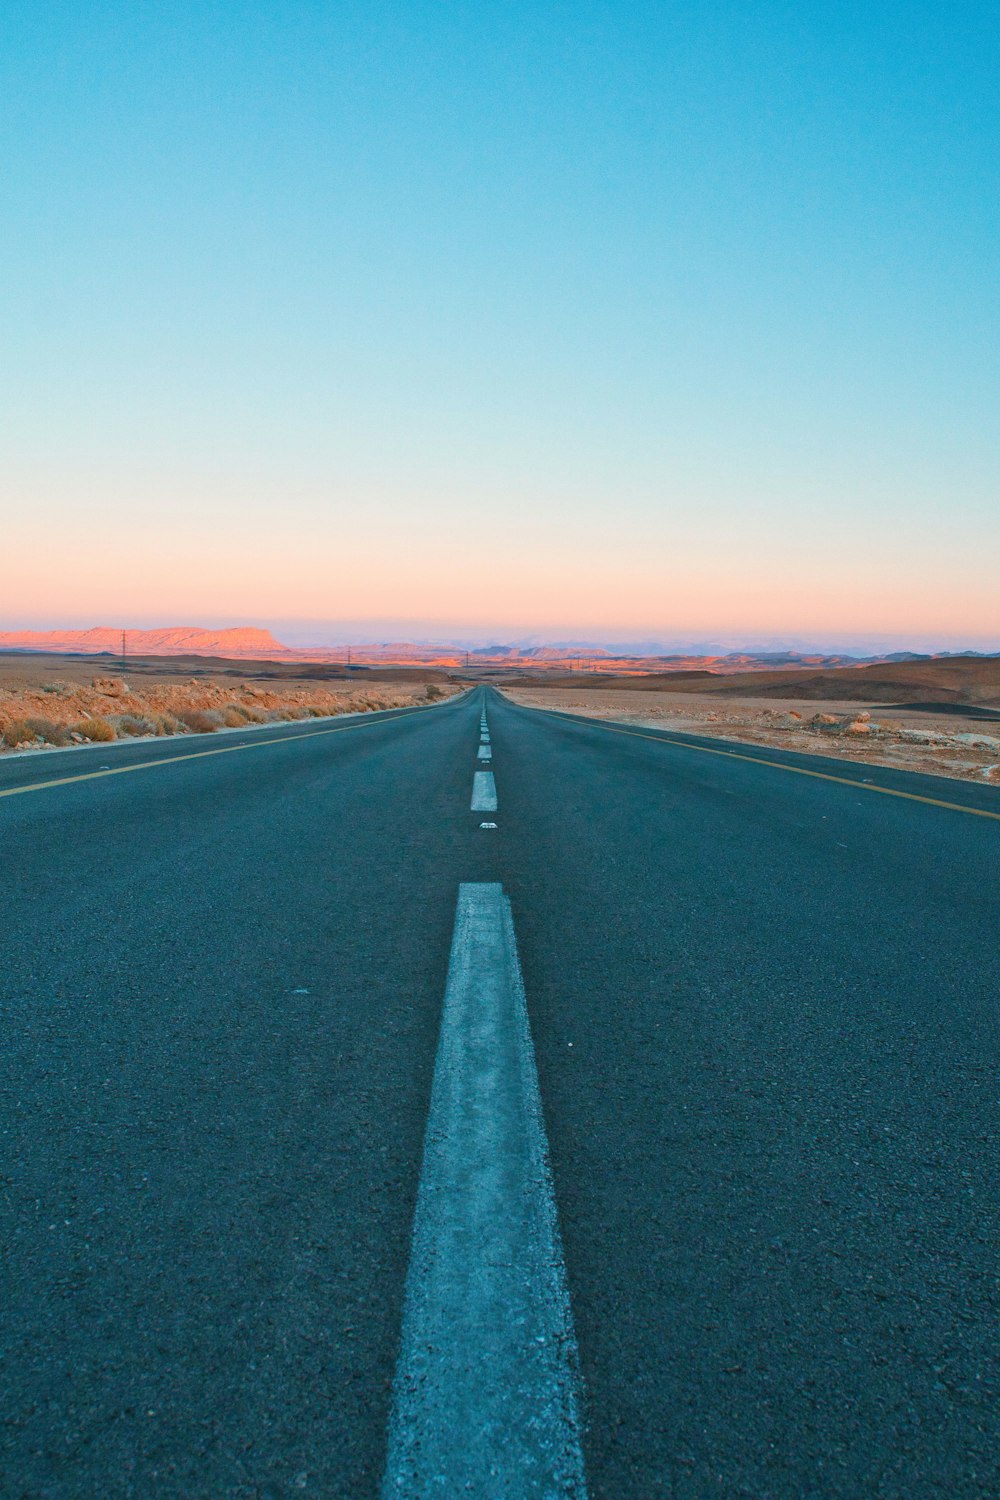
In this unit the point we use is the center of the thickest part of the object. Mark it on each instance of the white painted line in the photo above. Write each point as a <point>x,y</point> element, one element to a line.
<point>484,739</point>
<point>484,753</point>
<point>486,1394</point>
<point>484,792</point>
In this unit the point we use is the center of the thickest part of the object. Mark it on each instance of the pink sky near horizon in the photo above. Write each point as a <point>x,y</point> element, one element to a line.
<point>445,584</point>
<point>681,557</point>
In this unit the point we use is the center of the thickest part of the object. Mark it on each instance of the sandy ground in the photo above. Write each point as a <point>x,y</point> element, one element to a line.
<point>41,710</point>
<point>944,744</point>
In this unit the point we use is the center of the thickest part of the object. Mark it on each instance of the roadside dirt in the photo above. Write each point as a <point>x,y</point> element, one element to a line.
<point>964,744</point>
<point>40,710</point>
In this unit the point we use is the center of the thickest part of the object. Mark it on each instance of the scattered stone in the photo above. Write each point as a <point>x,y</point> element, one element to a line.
<point>978,741</point>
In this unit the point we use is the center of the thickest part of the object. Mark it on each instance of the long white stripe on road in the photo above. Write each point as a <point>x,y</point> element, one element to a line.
<point>486,1397</point>
<point>484,753</point>
<point>484,792</point>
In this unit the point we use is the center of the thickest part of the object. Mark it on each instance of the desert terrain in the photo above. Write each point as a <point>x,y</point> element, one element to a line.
<point>940,716</point>
<point>51,701</point>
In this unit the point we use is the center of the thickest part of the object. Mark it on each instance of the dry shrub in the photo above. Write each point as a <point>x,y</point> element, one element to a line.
<point>16,732</point>
<point>433,692</point>
<point>168,724</point>
<point>95,729</point>
<point>199,720</point>
<point>318,713</point>
<point>252,713</point>
<point>134,725</point>
<point>44,729</point>
<point>233,716</point>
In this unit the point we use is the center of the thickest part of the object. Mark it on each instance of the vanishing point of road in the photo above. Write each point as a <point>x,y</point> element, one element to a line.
<point>475,1100</point>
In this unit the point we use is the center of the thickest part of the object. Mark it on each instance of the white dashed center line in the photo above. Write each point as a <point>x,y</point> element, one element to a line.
<point>484,792</point>
<point>485,1400</point>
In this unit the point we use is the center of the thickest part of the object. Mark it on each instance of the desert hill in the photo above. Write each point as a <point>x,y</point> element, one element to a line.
<point>946,679</point>
<point>967,680</point>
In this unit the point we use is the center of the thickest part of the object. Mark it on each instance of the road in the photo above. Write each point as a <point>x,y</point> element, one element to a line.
<point>763,1008</point>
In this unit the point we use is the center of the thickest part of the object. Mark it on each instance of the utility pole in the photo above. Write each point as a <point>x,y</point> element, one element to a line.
<point>123,648</point>
<point>348,656</point>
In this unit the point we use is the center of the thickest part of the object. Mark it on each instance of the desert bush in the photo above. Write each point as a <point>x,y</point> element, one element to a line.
<point>16,732</point>
<point>318,713</point>
<point>134,725</point>
<point>44,729</point>
<point>95,729</point>
<point>234,717</point>
<point>252,713</point>
<point>433,692</point>
<point>199,720</point>
<point>284,714</point>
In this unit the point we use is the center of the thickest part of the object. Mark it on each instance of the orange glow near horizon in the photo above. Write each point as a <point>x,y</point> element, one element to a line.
<point>702,567</point>
<point>170,581</point>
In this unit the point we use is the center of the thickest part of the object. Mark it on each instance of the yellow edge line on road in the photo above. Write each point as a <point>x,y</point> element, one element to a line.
<point>171,760</point>
<point>776,765</point>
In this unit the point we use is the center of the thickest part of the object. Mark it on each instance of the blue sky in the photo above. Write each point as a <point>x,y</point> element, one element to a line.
<point>600,319</point>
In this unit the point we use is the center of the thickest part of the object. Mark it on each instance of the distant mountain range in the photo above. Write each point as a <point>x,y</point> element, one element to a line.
<point>247,642</point>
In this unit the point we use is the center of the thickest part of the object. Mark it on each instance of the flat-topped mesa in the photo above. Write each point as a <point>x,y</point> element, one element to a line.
<point>168,640</point>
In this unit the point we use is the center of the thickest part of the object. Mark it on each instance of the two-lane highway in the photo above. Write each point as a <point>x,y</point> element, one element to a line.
<point>763,1010</point>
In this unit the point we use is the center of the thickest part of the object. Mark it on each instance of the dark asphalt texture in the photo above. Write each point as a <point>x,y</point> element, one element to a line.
<point>765,1014</point>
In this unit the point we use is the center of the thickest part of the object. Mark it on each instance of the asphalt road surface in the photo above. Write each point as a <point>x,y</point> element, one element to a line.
<point>764,1015</point>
